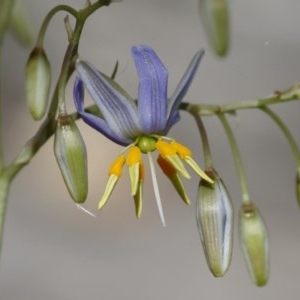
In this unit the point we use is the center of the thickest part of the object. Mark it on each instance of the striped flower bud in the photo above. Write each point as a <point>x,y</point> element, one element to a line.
<point>254,240</point>
<point>70,153</point>
<point>214,14</point>
<point>38,81</point>
<point>215,223</point>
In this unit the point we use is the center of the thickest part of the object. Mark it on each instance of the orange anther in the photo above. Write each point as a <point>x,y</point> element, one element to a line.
<point>166,167</point>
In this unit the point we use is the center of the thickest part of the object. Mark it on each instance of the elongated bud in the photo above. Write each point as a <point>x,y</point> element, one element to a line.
<point>38,81</point>
<point>298,186</point>
<point>20,23</point>
<point>215,223</point>
<point>70,153</point>
<point>214,14</point>
<point>254,240</point>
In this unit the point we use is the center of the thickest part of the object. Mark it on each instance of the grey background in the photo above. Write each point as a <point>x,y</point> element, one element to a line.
<point>53,251</point>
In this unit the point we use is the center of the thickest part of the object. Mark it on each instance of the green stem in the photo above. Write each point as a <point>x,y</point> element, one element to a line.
<point>291,94</point>
<point>205,143</point>
<point>48,18</point>
<point>287,134</point>
<point>4,187</point>
<point>237,159</point>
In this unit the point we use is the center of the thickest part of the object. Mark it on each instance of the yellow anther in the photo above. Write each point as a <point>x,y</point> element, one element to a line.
<point>181,150</point>
<point>134,155</point>
<point>165,149</point>
<point>117,166</point>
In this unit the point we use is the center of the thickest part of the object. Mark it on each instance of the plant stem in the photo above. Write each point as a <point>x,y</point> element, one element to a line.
<point>291,94</point>
<point>237,159</point>
<point>205,143</point>
<point>288,135</point>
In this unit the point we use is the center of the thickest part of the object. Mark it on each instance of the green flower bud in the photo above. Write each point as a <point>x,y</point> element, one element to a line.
<point>20,23</point>
<point>70,153</point>
<point>254,240</point>
<point>215,223</point>
<point>214,14</point>
<point>38,81</point>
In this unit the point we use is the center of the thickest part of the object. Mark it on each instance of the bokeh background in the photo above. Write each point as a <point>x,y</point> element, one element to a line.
<point>54,251</point>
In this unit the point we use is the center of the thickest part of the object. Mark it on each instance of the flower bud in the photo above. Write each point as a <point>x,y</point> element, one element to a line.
<point>38,81</point>
<point>214,14</point>
<point>254,240</point>
<point>215,223</point>
<point>20,23</point>
<point>70,153</point>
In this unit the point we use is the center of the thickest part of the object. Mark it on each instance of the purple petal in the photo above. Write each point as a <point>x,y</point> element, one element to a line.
<point>153,86</point>
<point>182,87</point>
<point>92,120</point>
<point>118,110</point>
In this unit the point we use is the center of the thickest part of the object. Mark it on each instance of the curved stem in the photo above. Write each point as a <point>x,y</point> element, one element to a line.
<point>205,143</point>
<point>49,16</point>
<point>237,159</point>
<point>288,135</point>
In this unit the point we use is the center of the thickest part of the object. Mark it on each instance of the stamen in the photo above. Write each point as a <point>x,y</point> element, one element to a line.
<point>133,161</point>
<point>112,180</point>
<point>169,153</point>
<point>197,169</point>
<point>156,190</point>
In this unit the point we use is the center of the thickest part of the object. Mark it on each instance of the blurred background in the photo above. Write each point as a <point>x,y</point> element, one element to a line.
<point>54,251</point>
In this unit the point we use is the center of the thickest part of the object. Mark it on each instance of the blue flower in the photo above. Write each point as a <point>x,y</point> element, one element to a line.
<point>140,125</point>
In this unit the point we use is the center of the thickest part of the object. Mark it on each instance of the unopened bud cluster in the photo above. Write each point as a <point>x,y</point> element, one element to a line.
<point>215,224</point>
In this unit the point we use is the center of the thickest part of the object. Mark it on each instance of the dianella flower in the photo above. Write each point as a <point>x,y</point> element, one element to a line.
<point>139,125</point>
<point>215,223</point>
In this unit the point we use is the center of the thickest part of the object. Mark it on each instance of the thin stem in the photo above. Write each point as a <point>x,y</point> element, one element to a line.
<point>205,143</point>
<point>4,187</point>
<point>48,18</point>
<point>237,158</point>
<point>291,94</point>
<point>288,135</point>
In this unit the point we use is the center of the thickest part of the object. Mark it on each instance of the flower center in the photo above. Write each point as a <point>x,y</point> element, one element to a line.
<point>147,143</point>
